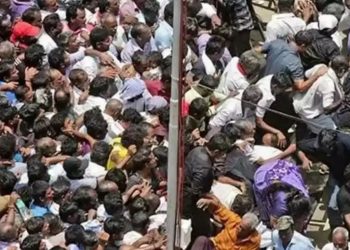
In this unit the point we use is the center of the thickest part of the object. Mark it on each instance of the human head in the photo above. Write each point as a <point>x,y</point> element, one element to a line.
<point>247,225</point>
<point>100,153</point>
<point>207,85</point>
<point>299,206</point>
<point>90,241</point>
<point>95,124</point>
<point>75,16</point>
<point>198,108</point>
<point>242,204</point>
<point>246,128</point>
<point>285,6</point>
<point>9,116</point>
<point>33,56</point>
<point>75,168</point>
<point>7,182</point>
<point>218,145</point>
<point>35,225</point>
<point>8,71</point>
<point>7,51</point>
<point>326,141</point>
<point>285,229</point>
<point>42,193</point>
<point>280,82</point>
<point>132,136</point>
<point>252,63</point>
<point>69,212</point>
<point>144,158</point>
<point>113,203</point>
<point>139,61</point>
<point>141,33</point>
<point>69,41</point>
<point>114,108</point>
<point>114,227</point>
<point>114,6</point>
<point>99,86</point>
<point>52,25</point>
<point>303,39</point>
<point>109,21</point>
<point>130,116</point>
<point>58,122</point>
<point>169,13</point>
<point>148,131</point>
<point>33,241</point>
<point>105,187</point>
<point>54,223</point>
<point>251,95</point>
<point>58,59</point>
<point>140,222</point>
<point>79,78</point>
<point>5,25</point>
<point>100,39</point>
<point>24,34</point>
<point>46,147</point>
<point>74,235</point>
<point>69,145</point>
<point>42,128</point>
<point>191,28</point>
<point>118,177</point>
<point>48,5</point>
<point>85,197</point>
<point>61,189</point>
<point>340,65</point>
<point>215,48</point>
<point>340,238</point>
<point>7,146</point>
<point>32,15</point>
<point>36,169</point>
<point>8,232</point>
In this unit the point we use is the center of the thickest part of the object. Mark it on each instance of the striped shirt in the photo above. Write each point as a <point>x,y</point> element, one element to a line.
<point>240,16</point>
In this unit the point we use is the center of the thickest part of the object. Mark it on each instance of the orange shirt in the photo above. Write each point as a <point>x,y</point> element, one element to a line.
<point>227,238</point>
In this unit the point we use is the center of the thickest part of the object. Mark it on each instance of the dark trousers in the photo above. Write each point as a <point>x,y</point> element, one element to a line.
<point>240,42</point>
<point>203,243</point>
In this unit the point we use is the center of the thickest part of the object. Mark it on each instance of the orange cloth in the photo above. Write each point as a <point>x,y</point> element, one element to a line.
<point>227,238</point>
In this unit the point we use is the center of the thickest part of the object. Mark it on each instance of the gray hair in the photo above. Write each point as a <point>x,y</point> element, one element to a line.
<point>342,230</point>
<point>252,94</point>
<point>242,124</point>
<point>252,219</point>
<point>7,51</point>
<point>63,38</point>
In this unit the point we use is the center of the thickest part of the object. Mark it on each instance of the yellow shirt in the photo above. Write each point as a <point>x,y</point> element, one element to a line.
<point>119,152</point>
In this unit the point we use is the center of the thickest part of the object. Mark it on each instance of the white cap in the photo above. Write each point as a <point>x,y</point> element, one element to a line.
<point>327,22</point>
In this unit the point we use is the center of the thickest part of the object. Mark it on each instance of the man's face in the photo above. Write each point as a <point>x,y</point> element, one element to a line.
<point>14,74</point>
<point>49,195</point>
<point>114,6</point>
<point>37,19</point>
<point>145,37</point>
<point>80,19</point>
<point>104,45</point>
<point>73,44</point>
<point>340,242</point>
<point>286,235</point>
<point>111,25</point>
<point>244,229</point>
<point>51,5</point>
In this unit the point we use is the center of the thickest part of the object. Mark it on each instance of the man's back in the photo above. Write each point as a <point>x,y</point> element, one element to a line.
<point>298,242</point>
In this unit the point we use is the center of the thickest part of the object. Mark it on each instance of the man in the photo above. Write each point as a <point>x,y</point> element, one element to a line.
<point>42,198</point>
<point>340,240</point>
<point>199,177</point>
<point>203,89</point>
<point>283,56</point>
<point>141,40</point>
<point>285,24</point>
<point>100,40</point>
<point>271,86</point>
<point>284,237</point>
<point>237,233</point>
<point>324,96</point>
<point>240,73</point>
<point>237,107</point>
<point>52,28</point>
<point>111,115</point>
<point>210,62</point>
<point>109,21</point>
<point>49,7</point>
<point>164,33</point>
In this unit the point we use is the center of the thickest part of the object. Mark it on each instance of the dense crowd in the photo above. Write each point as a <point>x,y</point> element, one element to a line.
<point>84,124</point>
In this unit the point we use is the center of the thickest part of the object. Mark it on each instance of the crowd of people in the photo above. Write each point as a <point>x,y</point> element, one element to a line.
<point>84,124</point>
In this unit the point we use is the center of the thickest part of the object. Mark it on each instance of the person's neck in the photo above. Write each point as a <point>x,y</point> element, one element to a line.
<point>73,27</point>
<point>146,173</point>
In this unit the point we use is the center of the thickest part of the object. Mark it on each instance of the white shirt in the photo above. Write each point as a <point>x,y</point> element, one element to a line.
<point>91,102</point>
<point>230,109</point>
<point>48,44</point>
<point>282,25</point>
<point>324,92</point>
<point>330,246</point>
<point>114,127</point>
<point>264,84</point>
<point>131,47</point>
<point>225,193</point>
<point>232,79</point>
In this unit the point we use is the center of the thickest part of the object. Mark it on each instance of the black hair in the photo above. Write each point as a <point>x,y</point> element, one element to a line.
<point>6,67</point>
<point>71,11</point>
<point>61,188</point>
<point>209,81</point>
<point>25,192</point>
<point>7,146</point>
<point>69,146</point>
<point>8,181</point>
<point>161,152</point>
<point>282,80</point>
<point>131,115</point>
<point>83,198</point>
<point>232,132</point>
<point>37,172</point>
<point>132,136</point>
<point>198,108</point>
<point>242,204</point>
<point>113,203</point>
<point>215,44</point>
<point>103,6</point>
<point>137,30</point>
<point>62,100</point>
<point>138,204</point>
<point>33,56</point>
<point>7,114</point>
<point>68,209</point>
<point>55,223</point>
<point>41,79</point>
<point>34,225</point>
<point>327,139</point>
<point>58,248</point>
<point>42,128</point>
<point>118,177</point>
<point>28,113</point>
<point>164,114</point>
<point>218,142</point>
<point>57,122</point>
<point>56,58</point>
<point>96,125</point>
<point>98,35</point>
<point>285,5</point>
<point>90,238</point>
<point>100,153</point>
<point>139,221</point>
<point>50,22</point>
<point>74,235</point>
<point>114,225</point>
<point>298,204</point>
<point>31,242</point>
<point>303,37</point>
<point>141,158</point>
<point>99,86</point>
<point>155,58</point>
<point>192,26</point>
<point>169,10</point>
<point>28,15</point>
<point>204,22</point>
<point>39,189</point>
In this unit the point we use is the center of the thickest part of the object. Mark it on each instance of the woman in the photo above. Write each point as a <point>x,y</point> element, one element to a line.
<point>280,190</point>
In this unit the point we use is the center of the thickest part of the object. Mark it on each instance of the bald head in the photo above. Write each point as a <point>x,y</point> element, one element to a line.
<point>105,187</point>
<point>8,232</point>
<point>45,146</point>
<point>109,21</point>
<point>114,108</point>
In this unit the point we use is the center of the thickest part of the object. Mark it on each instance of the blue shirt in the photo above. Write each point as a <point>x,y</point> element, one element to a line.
<point>38,211</point>
<point>282,57</point>
<point>298,242</point>
<point>164,36</point>
<point>11,96</point>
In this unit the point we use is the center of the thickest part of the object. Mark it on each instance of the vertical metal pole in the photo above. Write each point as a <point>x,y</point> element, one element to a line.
<point>174,145</point>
